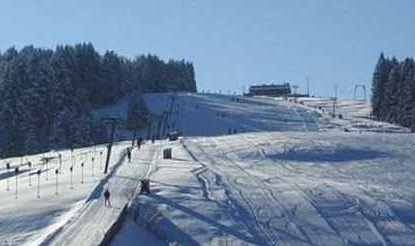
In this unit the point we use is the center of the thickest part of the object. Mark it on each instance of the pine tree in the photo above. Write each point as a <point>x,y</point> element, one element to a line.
<point>406,93</point>
<point>11,110</point>
<point>46,96</point>
<point>377,86</point>
<point>111,78</point>
<point>137,111</point>
<point>390,101</point>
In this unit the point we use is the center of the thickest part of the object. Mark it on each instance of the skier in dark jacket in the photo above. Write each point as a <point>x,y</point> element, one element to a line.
<point>107,198</point>
<point>139,142</point>
<point>129,154</point>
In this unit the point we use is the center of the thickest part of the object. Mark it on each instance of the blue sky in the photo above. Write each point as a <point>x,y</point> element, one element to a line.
<point>231,43</point>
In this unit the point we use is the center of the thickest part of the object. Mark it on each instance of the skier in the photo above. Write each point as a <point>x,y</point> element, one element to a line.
<point>129,154</point>
<point>139,141</point>
<point>145,186</point>
<point>107,198</point>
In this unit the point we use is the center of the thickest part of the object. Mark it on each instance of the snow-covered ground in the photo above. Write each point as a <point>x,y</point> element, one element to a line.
<point>355,115</point>
<point>320,187</point>
<point>91,223</point>
<point>291,188</point>
<point>213,115</point>
<point>291,176</point>
<point>29,218</point>
<point>312,188</point>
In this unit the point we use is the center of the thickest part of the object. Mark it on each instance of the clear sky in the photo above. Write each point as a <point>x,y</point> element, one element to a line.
<point>231,43</point>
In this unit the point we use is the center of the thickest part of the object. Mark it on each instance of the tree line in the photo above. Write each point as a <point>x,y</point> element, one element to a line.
<point>47,96</point>
<point>393,91</point>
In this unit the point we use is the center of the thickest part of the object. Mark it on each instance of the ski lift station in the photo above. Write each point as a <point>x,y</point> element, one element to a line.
<point>272,90</point>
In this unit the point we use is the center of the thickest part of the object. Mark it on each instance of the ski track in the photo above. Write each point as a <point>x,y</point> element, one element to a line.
<point>346,217</point>
<point>261,231</point>
<point>231,204</point>
<point>288,215</point>
<point>319,206</point>
<point>303,193</point>
<point>373,223</point>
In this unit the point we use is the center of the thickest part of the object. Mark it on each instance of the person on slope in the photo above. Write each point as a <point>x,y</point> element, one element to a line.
<point>139,142</point>
<point>107,198</point>
<point>129,154</point>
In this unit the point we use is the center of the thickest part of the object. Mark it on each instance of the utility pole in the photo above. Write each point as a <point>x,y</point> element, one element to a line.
<point>47,169</point>
<point>60,161</point>
<point>38,183</point>
<point>71,170</point>
<point>134,136</point>
<point>158,129</point>
<point>82,173</point>
<point>150,120</point>
<point>335,90</point>
<point>165,118</point>
<point>171,106</point>
<point>8,172</point>
<point>168,114</point>
<point>29,164</point>
<point>100,159</point>
<point>92,166</point>
<point>335,99</point>
<point>113,123</point>
<point>16,172</point>
<point>308,85</point>
<point>57,181</point>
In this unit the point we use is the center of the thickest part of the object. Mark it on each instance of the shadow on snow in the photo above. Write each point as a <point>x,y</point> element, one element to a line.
<point>328,155</point>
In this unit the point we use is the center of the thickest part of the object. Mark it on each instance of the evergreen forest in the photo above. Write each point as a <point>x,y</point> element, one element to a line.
<point>47,96</point>
<point>393,91</point>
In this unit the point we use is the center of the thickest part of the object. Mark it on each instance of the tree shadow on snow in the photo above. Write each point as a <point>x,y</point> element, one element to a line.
<point>328,155</point>
<point>11,174</point>
<point>405,212</point>
<point>178,159</point>
<point>182,188</point>
<point>212,221</point>
<point>254,238</point>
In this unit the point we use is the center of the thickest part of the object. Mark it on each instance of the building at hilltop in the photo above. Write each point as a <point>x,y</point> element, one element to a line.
<point>271,90</point>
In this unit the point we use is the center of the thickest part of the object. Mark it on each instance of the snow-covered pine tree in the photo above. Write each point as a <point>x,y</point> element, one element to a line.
<point>111,79</point>
<point>83,132</point>
<point>12,109</point>
<point>46,96</point>
<point>38,95</point>
<point>137,111</point>
<point>406,93</point>
<point>88,62</point>
<point>389,111</point>
<point>377,86</point>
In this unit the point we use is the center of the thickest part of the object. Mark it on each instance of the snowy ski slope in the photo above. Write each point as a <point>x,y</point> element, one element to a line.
<point>320,187</point>
<point>291,176</point>
<point>355,115</point>
<point>212,114</point>
<point>29,218</point>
